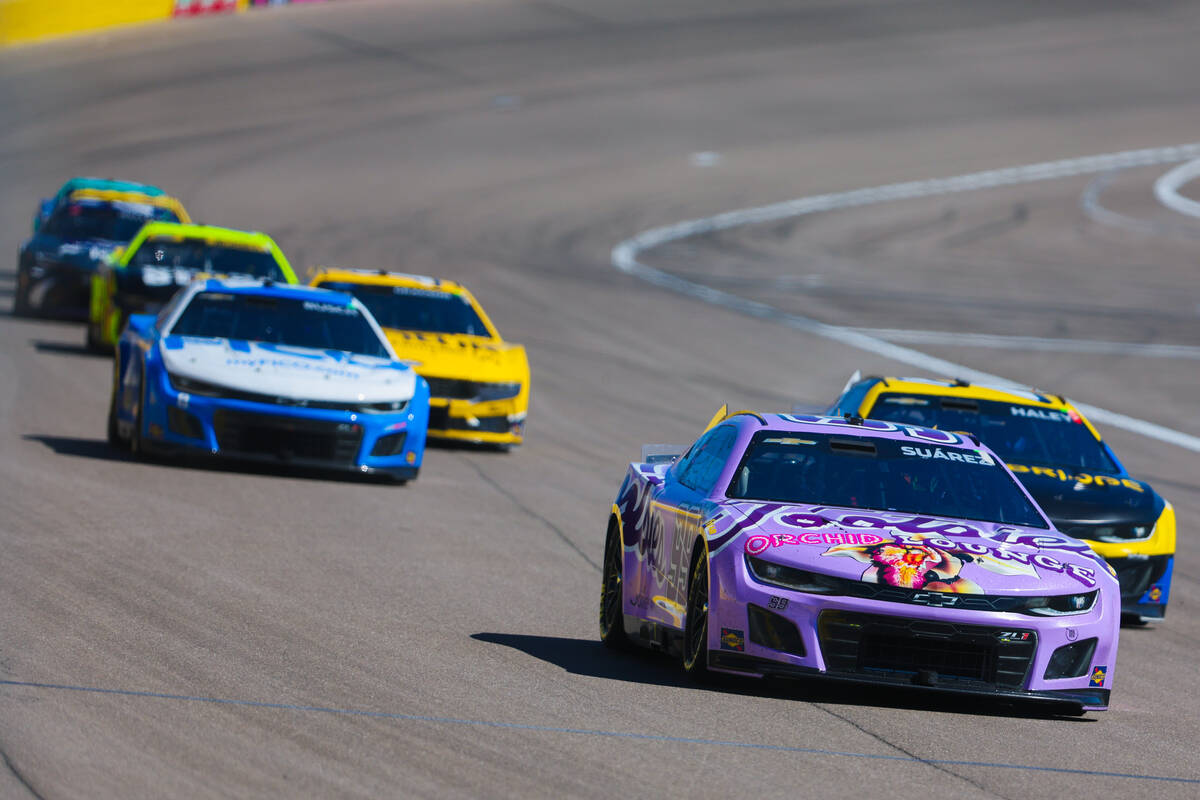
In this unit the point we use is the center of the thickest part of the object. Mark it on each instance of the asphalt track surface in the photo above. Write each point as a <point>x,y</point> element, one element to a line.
<point>176,630</point>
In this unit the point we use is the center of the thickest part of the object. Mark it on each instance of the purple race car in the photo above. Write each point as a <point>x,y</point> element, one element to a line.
<point>789,545</point>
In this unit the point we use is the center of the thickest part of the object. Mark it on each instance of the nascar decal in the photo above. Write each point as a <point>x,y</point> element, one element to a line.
<point>1081,479</point>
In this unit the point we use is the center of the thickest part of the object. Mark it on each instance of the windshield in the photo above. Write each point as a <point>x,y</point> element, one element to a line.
<point>882,475</point>
<point>279,320</point>
<point>414,309</point>
<point>198,256</point>
<point>1017,433</point>
<point>114,221</point>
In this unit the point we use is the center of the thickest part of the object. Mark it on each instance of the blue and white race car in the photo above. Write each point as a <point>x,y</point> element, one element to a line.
<point>260,371</point>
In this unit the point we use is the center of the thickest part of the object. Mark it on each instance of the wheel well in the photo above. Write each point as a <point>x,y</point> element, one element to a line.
<point>614,523</point>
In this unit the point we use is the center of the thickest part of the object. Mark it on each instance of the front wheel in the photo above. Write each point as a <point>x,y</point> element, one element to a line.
<point>21,302</point>
<point>695,630</point>
<point>137,445</point>
<point>612,615</point>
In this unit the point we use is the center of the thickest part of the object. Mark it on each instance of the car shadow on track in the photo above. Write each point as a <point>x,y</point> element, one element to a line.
<point>68,349</point>
<point>590,658</point>
<point>102,450</point>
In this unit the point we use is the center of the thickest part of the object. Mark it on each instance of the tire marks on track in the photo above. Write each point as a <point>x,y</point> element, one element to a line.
<point>595,732</point>
<point>624,257</point>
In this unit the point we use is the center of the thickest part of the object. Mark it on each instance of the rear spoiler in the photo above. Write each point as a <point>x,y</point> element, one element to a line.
<point>662,453</point>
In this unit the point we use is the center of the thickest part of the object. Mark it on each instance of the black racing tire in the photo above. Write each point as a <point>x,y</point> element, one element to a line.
<point>695,629</point>
<point>114,431</point>
<point>137,444</point>
<point>612,587</point>
<point>93,338</point>
<point>21,303</point>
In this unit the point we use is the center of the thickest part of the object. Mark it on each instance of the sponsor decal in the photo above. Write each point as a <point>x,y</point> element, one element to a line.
<point>777,603</point>
<point>913,431</point>
<point>961,456</point>
<point>733,639</point>
<point>1080,479</point>
<point>1030,412</point>
<point>935,599</point>
<point>330,308</point>
<point>1155,594</point>
<point>1098,675</point>
<point>761,543</point>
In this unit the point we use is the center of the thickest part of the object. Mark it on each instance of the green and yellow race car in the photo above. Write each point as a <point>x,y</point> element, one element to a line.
<point>163,256</point>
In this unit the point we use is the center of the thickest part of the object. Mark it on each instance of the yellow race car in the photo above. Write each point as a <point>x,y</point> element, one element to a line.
<point>1060,458</point>
<point>478,383</point>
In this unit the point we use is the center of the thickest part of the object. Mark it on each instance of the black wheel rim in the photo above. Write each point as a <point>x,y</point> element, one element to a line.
<point>610,600</point>
<point>697,614</point>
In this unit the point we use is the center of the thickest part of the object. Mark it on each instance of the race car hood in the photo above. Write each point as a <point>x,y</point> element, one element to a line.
<point>910,551</point>
<point>297,373</point>
<point>86,253</point>
<point>457,356</point>
<point>1070,498</point>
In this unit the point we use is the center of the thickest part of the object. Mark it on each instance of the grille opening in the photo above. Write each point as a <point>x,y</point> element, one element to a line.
<point>389,445</point>
<point>182,423</point>
<point>900,648</point>
<point>771,630</point>
<point>946,658</point>
<point>288,438</point>
<point>1071,660</point>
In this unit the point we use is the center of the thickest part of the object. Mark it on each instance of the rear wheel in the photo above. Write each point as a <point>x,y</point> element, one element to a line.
<point>695,630</point>
<point>93,338</point>
<point>21,302</point>
<point>612,616</point>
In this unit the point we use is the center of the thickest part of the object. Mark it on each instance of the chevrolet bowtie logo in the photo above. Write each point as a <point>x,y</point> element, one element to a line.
<point>934,598</point>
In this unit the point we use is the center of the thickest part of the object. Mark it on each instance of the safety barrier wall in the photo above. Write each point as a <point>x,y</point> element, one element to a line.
<point>31,20</point>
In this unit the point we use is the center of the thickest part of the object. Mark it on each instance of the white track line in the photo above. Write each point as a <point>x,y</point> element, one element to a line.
<point>1166,188</point>
<point>1038,343</point>
<point>624,258</point>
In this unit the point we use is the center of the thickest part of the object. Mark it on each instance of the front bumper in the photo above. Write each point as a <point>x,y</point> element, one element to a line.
<point>390,443</point>
<point>1145,584</point>
<point>956,651</point>
<point>500,422</point>
<point>55,289</point>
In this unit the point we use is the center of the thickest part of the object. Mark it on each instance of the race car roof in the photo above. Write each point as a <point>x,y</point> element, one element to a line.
<point>256,287</point>
<point>107,184</point>
<point>852,426</point>
<point>116,196</point>
<point>974,391</point>
<point>382,277</point>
